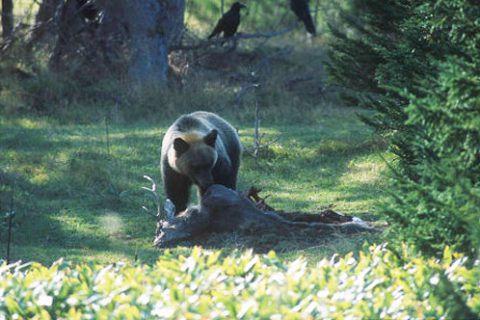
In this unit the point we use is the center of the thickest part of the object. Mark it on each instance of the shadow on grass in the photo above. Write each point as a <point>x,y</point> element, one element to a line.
<point>319,245</point>
<point>65,182</point>
<point>73,185</point>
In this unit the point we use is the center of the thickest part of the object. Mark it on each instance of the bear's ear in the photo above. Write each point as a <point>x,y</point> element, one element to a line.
<point>211,138</point>
<point>180,146</point>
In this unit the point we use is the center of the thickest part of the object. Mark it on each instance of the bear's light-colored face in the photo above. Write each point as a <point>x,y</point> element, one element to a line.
<point>195,157</point>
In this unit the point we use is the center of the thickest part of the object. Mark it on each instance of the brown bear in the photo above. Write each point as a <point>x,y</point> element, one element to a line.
<point>199,148</point>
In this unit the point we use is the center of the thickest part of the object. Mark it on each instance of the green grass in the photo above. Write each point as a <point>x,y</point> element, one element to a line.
<point>79,198</point>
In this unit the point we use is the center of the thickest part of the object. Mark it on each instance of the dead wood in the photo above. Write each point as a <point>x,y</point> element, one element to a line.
<point>225,210</point>
<point>220,41</point>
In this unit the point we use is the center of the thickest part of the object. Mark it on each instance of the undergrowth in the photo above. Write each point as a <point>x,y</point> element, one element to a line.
<point>380,283</point>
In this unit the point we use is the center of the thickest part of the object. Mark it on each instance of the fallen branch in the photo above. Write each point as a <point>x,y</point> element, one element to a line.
<point>225,210</point>
<point>243,90</point>
<point>288,84</point>
<point>235,38</point>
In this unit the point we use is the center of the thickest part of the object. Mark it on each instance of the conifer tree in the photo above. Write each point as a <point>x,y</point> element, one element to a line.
<point>417,64</point>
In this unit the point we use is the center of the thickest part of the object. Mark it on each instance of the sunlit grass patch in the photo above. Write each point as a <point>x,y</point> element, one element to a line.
<point>79,186</point>
<point>363,172</point>
<point>111,223</point>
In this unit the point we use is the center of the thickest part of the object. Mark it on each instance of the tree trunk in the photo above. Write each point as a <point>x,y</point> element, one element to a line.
<point>131,37</point>
<point>7,19</point>
<point>44,21</point>
<point>148,63</point>
<point>154,26</point>
<point>68,26</point>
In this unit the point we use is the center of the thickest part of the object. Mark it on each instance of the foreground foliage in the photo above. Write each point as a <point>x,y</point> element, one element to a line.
<point>379,283</point>
<point>417,63</point>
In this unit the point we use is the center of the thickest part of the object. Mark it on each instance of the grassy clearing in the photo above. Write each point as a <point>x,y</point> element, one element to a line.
<point>78,193</point>
<point>79,197</point>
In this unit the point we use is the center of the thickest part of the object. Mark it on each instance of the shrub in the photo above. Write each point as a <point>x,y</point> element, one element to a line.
<point>379,284</point>
<point>442,193</point>
<point>417,64</point>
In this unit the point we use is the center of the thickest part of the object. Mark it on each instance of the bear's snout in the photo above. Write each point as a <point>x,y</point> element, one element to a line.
<point>203,181</point>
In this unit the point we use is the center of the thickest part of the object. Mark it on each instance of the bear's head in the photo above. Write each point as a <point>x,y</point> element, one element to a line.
<point>195,157</point>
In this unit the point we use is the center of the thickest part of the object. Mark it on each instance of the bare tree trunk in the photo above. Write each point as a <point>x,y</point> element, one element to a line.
<point>154,26</point>
<point>44,20</point>
<point>131,37</point>
<point>67,26</point>
<point>7,19</point>
<point>149,60</point>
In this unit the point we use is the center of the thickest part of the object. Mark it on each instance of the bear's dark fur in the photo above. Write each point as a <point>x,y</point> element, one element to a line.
<point>199,148</point>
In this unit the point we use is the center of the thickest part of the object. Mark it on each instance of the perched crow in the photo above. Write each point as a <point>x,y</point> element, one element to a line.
<point>302,11</point>
<point>228,23</point>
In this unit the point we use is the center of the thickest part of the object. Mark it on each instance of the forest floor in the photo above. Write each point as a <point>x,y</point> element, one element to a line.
<point>78,193</point>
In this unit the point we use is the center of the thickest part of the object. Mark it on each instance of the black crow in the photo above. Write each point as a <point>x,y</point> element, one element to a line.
<point>301,9</point>
<point>228,23</point>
